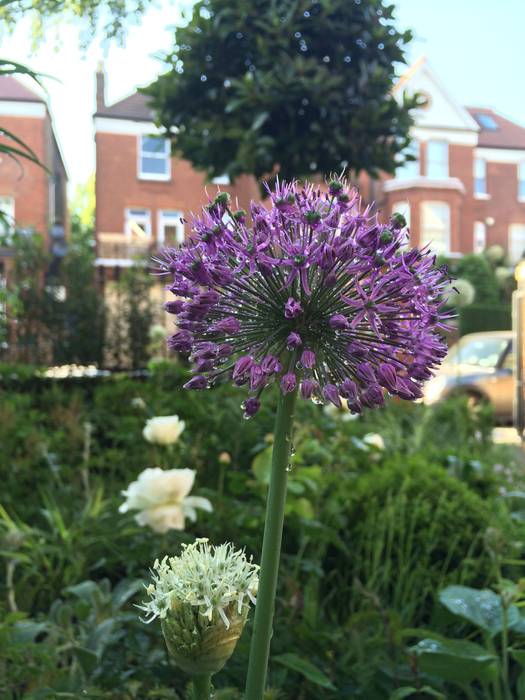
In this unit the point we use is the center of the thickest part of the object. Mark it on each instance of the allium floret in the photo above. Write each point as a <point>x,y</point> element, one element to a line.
<point>211,579</point>
<point>314,293</point>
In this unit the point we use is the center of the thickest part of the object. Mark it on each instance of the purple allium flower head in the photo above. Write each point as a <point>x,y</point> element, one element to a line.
<point>313,290</point>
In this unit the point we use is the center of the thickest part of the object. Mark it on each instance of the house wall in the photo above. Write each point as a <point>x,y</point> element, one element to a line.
<point>118,186</point>
<point>23,180</point>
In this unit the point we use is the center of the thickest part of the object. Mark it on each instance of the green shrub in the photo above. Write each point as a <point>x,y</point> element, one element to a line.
<point>409,528</point>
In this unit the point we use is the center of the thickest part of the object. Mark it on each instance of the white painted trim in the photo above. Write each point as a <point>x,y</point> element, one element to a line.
<point>450,183</point>
<point>482,195</point>
<point>115,262</point>
<point>501,155</point>
<point>127,229</point>
<point>162,220</point>
<point>12,108</point>
<point>162,177</point>
<point>128,127</point>
<point>459,137</point>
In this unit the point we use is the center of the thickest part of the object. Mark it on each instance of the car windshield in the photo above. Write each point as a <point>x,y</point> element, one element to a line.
<point>481,352</point>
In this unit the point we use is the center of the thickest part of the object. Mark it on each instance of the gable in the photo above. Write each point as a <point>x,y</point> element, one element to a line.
<point>442,112</point>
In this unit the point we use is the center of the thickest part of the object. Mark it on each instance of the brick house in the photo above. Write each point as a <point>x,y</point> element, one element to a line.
<point>141,191</point>
<point>31,197</point>
<point>465,190</point>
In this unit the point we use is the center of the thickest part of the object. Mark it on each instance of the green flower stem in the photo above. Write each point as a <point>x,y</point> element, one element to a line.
<point>271,549</point>
<point>202,687</point>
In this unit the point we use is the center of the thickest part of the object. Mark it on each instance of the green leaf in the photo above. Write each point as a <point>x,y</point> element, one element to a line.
<point>481,607</point>
<point>518,655</point>
<point>454,659</point>
<point>401,693</point>
<point>259,120</point>
<point>306,668</point>
<point>28,630</point>
<point>87,659</point>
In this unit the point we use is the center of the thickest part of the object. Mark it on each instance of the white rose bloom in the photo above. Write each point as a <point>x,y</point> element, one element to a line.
<point>374,440</point>
<point>161,497</point>
<point>163,430</point>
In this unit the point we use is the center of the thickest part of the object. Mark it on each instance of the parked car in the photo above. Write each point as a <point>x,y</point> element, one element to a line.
<point>479,366</point>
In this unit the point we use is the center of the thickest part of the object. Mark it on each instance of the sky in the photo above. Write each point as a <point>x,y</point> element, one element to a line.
<point>475,47</point>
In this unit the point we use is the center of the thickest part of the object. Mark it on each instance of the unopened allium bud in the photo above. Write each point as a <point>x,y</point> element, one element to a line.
<point>398,220</point>
<point>308,359</point>
<point>222,199</point>
<point>292,308</point>
<point>202,598</point>
<point>288,383</point>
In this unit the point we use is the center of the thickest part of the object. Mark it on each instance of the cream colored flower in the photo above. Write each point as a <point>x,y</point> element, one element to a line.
<point>163,430</point>
<point>161,497</point>
<point>374,440</point>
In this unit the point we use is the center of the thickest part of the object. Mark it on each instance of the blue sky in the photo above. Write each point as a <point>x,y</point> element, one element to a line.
<point>475,46</point>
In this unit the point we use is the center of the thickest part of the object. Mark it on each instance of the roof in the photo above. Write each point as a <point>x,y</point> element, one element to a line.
<point>11,89</point>
<point>134,107</point>
<point>502,134</point>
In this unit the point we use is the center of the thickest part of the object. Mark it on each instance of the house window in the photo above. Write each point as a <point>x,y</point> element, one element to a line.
<point>402,208</point>
<point>7,218</point>
<point>154,158</point>
<point>435,226</point>
<point>137,223</point>
<point>521,181</point>
<point>480,176</point>
<point>410,169</point>
<point>480,237</point>
<point>437,159</point>
<point>171,229</point>
<point>516,242</point>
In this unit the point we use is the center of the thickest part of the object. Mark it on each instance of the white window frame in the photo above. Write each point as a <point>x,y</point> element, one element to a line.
<point>425,239</point>
<point>7,206</point>
<point>479,242</point>
<point>223,179</point>
<point>521,181</point>
<point>169,217</point>
<point>443,161</point>
<point>412,169</point>
<point>480,176</point>
<point>512,257</point>
<point>166,155</point>
<point>142,221</point>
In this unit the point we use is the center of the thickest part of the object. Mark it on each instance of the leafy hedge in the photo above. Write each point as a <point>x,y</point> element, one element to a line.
<point>370,533</point>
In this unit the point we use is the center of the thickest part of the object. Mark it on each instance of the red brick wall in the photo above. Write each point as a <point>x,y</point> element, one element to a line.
<point>503,205</point>
<point>118,186</point>
<point>27,182</point>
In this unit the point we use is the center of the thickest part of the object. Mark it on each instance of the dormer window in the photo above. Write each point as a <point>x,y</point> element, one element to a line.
<point>437,160</point>
<point>154,158</point>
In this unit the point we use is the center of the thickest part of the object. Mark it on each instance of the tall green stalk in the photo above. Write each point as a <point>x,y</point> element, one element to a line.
<point>271,549</point>
<point>201,687</point>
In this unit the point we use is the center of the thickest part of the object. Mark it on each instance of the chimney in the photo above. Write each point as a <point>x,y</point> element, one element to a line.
<point>101,87</point>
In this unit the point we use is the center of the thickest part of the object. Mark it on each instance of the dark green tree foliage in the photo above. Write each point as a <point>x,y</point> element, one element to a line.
<point>299,86</point>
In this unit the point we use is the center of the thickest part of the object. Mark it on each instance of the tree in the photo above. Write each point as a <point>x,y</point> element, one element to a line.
<point>113,14</point>
<point>298,86</point>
